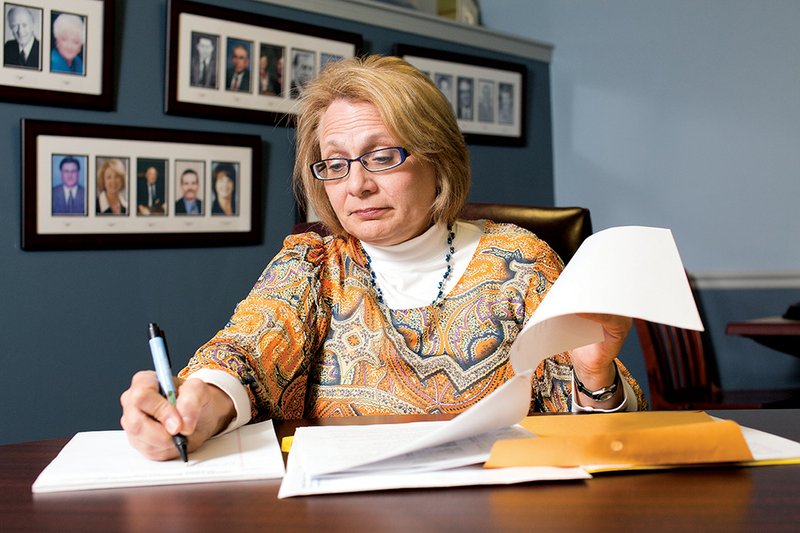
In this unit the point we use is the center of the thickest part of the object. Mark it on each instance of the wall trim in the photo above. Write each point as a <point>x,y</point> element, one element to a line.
<point>786,279</point>
<point>385,15</point>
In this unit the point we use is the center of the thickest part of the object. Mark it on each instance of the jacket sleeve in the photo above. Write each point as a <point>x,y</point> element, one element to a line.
<point>269,341</point>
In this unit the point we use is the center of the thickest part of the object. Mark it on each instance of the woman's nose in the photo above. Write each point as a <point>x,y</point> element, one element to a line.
<point>360,180</point>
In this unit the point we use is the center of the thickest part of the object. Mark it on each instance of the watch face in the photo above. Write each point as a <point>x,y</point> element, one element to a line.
<point>604,396</point>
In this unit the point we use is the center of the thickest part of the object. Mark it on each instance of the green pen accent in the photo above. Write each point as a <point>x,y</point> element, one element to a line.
<point>171,397</point>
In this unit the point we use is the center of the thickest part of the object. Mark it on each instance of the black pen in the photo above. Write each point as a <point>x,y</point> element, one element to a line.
<point>158,347</point>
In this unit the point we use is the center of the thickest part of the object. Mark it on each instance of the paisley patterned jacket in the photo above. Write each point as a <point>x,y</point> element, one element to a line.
<point>312,340</point>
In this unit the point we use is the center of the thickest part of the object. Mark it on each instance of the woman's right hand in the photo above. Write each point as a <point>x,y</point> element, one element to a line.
<point>150,421</point>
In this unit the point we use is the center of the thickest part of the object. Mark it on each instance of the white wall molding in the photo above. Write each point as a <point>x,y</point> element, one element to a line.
<point>788,279</point>
<point>385,15</point>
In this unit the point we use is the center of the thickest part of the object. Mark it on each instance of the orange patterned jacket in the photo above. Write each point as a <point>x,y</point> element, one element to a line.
<point>311,340</point>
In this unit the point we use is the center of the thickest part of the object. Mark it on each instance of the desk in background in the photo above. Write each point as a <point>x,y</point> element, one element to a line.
<point>707,499</point>
<point>776,332</point>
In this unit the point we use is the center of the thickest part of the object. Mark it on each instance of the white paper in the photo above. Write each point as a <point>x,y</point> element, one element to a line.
<point>630,271</point>
<point>504,407</point>
<point>105,459</point>
<point>768,447</point>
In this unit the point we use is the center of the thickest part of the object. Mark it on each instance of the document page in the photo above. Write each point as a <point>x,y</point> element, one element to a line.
<point>629,271</point>
<point>504,407</point>
<point>767,447</point>
<point>105,459</point>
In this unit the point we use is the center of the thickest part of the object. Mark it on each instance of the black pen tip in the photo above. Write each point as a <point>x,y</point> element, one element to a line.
<point>181,443</point>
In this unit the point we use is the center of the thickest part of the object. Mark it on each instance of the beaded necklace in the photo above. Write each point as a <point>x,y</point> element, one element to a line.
<point>448,261</point>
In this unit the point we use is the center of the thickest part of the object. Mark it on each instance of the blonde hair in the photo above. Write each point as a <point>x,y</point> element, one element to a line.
<point>117,167</point>
<point>414,111</point>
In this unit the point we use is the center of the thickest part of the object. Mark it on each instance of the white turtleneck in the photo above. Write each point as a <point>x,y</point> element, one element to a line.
<point>409,273</point>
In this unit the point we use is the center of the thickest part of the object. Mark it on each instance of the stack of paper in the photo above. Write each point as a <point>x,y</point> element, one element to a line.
<point>424,454</point>
<point>331,459</point>
<point>105,459</point>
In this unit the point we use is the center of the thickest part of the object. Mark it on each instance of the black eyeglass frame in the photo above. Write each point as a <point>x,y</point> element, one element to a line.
<point>403,156</point>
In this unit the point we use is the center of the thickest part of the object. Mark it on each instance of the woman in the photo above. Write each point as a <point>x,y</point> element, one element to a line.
<point>405,310</point>
<point>224,190</point>
<point>111,188</point>
<point>68,34</point>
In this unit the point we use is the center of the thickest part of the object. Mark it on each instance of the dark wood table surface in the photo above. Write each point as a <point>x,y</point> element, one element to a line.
<point>775,332</point>
<point>764,499</point>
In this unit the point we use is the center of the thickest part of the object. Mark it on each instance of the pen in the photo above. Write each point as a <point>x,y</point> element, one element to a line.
<point>158,347</point>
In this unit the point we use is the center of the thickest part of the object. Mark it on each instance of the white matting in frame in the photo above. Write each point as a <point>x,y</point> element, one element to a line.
<point>487,96</point>
<point>47,226</point>
<point>51,80</point>
<point>226,29</point>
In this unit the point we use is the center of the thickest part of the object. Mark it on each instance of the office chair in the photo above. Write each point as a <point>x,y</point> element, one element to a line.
<point>682,374</point>
<point>563,228</point>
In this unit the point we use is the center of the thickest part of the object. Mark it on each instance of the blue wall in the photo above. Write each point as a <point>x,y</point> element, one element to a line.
<point>678,113</point>
<point>686,115</point>
<point>75,321</point>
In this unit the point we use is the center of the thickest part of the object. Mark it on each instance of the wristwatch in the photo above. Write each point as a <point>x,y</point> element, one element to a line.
<point>599,395</point>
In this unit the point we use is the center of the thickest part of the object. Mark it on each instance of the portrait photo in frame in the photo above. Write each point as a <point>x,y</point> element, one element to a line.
<point>487,95</point>
<point>234,65</point>
<point>90,186</point>
<point>58,52</point>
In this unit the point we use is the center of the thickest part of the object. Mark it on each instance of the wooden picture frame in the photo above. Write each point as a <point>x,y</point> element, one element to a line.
<point>58,53</point>
<point>208,45</point>
<point>90,186</point>
<point>487,95</point>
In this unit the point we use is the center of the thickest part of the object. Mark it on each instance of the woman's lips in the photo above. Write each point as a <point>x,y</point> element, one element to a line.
<point>371,212</point>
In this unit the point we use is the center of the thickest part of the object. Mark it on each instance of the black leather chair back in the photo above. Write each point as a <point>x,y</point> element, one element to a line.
<point>563,228</point>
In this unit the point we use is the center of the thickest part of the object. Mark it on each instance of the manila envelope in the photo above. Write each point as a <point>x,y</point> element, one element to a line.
<point>644,438</point>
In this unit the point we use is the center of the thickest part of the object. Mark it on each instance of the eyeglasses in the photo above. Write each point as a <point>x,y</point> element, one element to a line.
<point>379,160</point>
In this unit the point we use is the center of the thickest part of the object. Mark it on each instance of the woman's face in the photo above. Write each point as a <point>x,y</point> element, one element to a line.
<point>223,185</point>
<point>112,182</point>
<point>69,44</point>
<point>380,208</point>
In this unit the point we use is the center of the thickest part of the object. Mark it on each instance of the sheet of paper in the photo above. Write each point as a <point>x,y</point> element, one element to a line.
<point>767,447</point>
<point>331,450</point>
<point>296,483</point>
<point>630,271</point>
<point>104,459</point>
<point>504,407</point>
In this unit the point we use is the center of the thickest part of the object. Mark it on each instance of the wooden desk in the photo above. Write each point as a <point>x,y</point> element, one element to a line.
<point>724,499</point>
<point>775,332</point>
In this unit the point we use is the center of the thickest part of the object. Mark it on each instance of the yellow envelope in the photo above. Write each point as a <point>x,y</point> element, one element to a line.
<point>645,438</point>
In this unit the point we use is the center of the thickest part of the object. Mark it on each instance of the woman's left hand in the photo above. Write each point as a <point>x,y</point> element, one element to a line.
<point>593,364</point>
